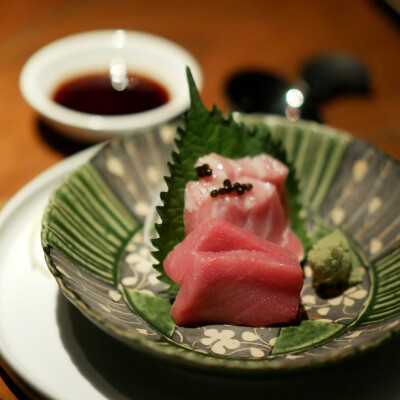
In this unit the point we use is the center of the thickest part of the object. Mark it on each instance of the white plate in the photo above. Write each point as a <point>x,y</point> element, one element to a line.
<point>49,345</point>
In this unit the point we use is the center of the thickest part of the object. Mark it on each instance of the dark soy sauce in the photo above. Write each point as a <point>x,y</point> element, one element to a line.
<point>95,94</point>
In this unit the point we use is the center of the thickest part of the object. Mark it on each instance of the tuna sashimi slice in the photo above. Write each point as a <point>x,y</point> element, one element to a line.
<point>229,275</point>
<point>262,210</point>
<point>215,235</point>
<point>262,167</point>
<point>259,211</point>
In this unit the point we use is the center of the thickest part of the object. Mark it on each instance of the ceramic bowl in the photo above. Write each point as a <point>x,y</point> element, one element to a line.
<point>90,52</point>
<point>98,225</point>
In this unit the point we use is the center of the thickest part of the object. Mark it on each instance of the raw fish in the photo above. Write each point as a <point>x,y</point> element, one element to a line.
<point>229,275</point>
<point>263,210</point>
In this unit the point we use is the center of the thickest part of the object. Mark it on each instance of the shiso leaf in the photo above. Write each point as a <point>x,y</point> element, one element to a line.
<point>305,335</point>
<point>206,132</point>
<point>155,310</point>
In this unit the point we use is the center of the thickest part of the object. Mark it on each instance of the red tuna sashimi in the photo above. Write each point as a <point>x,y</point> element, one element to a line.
<point>229,275</point>
<point>214,235</point>
<point>262,211</point>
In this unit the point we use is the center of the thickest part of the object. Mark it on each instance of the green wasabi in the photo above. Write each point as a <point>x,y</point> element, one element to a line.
<point>330,260</point>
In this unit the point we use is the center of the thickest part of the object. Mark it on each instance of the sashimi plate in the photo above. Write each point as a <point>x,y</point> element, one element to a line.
<point>97,232</point>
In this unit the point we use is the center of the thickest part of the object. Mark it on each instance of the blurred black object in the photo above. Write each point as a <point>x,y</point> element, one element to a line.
<point>391,8</point>
<point>335,74</point>
<point>322,78</point>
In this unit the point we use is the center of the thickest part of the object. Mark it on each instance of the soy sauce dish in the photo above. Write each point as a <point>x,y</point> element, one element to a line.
<point>95,85</point>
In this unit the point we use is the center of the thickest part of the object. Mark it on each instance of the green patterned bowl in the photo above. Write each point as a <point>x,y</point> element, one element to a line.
<point>96,238</point>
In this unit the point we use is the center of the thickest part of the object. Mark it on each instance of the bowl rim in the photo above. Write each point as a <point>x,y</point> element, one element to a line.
<point>41,102</point>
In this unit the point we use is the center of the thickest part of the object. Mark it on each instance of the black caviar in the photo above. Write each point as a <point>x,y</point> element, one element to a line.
<point>227,183</point>
<point>237,187</point>
<point>214,193</point>
<point>203,170</point>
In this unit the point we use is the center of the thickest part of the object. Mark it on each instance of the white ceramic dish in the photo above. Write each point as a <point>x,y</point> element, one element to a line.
<point>91,52</point>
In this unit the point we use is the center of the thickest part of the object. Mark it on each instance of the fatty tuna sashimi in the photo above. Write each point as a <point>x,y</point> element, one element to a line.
<point>263,210</point>
<point>262,167</point>
<point>229,275</point>
<point>259,211</point>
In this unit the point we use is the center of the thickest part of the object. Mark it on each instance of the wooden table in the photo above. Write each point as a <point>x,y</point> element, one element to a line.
<point>224,36</point>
